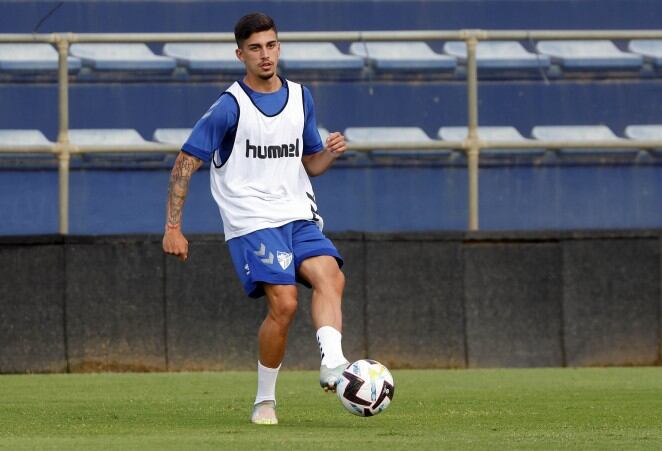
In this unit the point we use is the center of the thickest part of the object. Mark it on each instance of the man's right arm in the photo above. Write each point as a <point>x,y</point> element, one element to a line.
<point>174,241</point>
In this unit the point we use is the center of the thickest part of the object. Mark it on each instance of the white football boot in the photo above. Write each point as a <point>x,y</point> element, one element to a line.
<point>264,413</point>
<point>329,376</point>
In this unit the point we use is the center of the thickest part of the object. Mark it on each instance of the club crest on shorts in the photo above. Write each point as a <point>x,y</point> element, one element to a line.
<point>284,259</point>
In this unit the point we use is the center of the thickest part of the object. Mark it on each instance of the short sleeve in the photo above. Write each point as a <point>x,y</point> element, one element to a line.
<point>209,132</point>
<point>312,142</point>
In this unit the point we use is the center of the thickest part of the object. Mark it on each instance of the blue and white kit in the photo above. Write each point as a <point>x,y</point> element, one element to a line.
<point>255,142</point>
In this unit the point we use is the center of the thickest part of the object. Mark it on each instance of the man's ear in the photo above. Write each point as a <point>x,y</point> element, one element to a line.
<point>239,54</point>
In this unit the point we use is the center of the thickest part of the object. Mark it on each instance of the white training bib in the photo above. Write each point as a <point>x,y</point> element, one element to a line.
<point>263,184</point>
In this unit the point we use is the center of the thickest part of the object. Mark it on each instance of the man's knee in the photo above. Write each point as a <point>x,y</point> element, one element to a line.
<point>282,304</point>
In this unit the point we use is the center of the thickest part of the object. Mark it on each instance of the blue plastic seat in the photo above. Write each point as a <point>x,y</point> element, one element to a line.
<point>402,56</point>
<point>492,133</point>
<point>205,57</point>
<point>590,55</point>
<point>651,49</point>
<point>499,55</point>
<point>582,133</point>
<point>122,57</point>
<point>394,135</point>
<point>317,56</point>
<point>29,57</point>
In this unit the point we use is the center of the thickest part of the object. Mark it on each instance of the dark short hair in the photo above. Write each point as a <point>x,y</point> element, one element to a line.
<point>252,23</point>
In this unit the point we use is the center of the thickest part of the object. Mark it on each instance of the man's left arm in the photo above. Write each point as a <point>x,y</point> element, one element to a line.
<point>317,163</point>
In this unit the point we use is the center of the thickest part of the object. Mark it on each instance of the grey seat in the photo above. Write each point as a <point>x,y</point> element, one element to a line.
<point>590,55</point>
<point>651,49</point>
<point>122,57</point>
<point>174,136</point>
<point>582,133</point>
<point>492,133</point>
<point>402,56</point>
<point>499,55</point>
<point>113,137</point>
<point>205,57</point>
<point>394,135</point>
<point>324,133</point>
<point>317,56</point>
<point>22,138</point>
<point>651,132</point>
<point>28,57</point>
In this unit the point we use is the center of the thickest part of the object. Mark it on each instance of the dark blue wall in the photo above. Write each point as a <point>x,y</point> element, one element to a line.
<point>356,197</point>
<point>166,16</point>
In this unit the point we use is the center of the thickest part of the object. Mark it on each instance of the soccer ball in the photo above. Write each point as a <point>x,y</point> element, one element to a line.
<point>365,388</point>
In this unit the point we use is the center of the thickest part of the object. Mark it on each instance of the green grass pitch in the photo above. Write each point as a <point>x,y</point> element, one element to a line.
<point>610,408</point>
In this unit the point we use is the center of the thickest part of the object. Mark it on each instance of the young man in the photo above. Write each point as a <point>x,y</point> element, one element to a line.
<point>262,140</point>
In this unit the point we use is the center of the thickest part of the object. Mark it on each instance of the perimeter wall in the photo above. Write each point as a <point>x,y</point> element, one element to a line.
<point>442,300</point>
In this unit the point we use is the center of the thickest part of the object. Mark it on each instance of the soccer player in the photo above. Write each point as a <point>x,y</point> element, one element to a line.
<point>262,141</point>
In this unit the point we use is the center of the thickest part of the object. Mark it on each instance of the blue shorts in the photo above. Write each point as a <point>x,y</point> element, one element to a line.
<point>273,256</point>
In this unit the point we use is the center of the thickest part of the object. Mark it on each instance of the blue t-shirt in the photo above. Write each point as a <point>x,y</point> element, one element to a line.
<point>217,128</point>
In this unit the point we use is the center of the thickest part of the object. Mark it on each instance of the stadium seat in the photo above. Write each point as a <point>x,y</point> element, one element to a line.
<point>394,135</point>
<point>205,57</point>
<point>582,133</point>
<point>589,55</point>
<point>22,138</point>
<point>499,55</point>
<point>488,133</point>
<point>122,57</point>
<point>317,56</point>
<point>645,133</point>
<point>111,137</point>
<point>402,56</point>
<point>324,133</point>
<point>650,49</point>
<point>174,136</point>
<point>32,57</point>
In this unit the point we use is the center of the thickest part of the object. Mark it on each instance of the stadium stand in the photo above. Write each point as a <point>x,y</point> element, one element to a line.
<point>372,95</point>
<point>487,133</point>
<point>402,57</point>
<point>24,57</point>
<point>590,55</point>
<point>122,57</point>
<point>500,56</point>
<point>582,133</point>
<point>205,57</point>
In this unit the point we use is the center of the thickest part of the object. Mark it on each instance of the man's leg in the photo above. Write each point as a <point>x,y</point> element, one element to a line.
<point>272,339</point>
<point>328,283</point>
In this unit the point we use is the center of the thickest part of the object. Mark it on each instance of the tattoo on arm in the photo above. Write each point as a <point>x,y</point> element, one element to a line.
<point>184,167</point>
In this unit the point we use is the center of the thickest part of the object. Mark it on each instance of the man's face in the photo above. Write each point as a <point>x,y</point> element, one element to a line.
<point>260,53</point>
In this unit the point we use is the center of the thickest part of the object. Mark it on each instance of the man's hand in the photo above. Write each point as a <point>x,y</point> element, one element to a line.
<point>335,144</point>
<point>318,163</point>
<point>175,243</point>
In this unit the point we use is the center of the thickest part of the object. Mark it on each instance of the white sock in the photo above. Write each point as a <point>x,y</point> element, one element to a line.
<point>329,340</point>
<point>266,383</point>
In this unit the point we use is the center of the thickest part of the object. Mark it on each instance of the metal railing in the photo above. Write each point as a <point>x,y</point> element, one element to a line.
<point>472,145</point>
